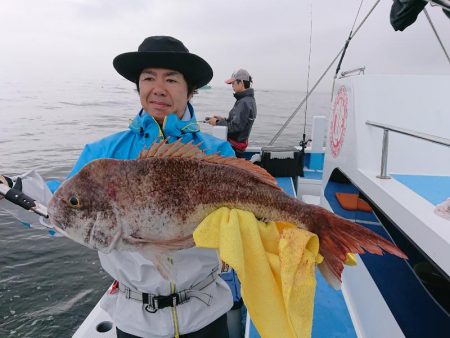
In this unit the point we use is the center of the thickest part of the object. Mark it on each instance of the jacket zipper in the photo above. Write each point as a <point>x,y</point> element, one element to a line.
<point>174,313</point>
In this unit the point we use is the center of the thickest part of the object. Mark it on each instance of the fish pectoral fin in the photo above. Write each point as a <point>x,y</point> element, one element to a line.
<point>114,241</point>
<point>161,244</point>
<point>137,240</point>
<point>155,253</point>
<point>162,262</point>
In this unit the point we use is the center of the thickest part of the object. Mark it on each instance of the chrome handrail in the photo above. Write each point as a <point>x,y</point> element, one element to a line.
<point>386,128</point>
<point>356,71</point>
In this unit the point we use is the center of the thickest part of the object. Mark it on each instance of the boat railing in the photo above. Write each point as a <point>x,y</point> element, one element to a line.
<point>387,128</point>
<point>356,71</point>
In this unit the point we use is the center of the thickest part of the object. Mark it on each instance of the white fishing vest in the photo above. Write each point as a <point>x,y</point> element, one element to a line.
<point>190,266</point>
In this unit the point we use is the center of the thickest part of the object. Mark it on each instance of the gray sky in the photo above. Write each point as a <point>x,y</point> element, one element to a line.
<point>77,39</point>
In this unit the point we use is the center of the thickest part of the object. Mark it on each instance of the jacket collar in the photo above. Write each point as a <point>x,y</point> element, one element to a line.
<point>172,128</point>
<point>244,93</point>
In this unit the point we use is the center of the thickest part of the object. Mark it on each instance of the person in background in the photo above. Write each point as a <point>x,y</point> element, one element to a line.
<point>241,117</point>
<point>141,302</point>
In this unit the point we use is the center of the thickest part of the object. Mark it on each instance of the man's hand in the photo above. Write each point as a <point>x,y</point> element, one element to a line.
<point>6,181</point>
<point>213,120</point>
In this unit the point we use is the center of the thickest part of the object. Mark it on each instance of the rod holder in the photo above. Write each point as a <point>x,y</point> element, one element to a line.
<point>384,155</point>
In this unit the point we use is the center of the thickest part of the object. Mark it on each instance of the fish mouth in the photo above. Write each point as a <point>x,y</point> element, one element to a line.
<point>52,214</point>
<point>54,222</point>
<point>60,228</point>
<point>57,225</point>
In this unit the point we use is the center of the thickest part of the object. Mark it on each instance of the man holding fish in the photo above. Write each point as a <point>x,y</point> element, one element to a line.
<point>138,202</point>
<point>193,302</point>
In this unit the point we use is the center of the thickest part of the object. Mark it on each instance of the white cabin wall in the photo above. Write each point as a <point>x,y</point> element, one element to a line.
<point>418,103</point>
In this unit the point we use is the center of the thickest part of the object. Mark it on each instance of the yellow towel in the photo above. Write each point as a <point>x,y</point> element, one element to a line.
<point>275,262</point>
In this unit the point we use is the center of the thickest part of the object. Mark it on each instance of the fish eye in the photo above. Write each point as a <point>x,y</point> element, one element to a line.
<point>74,202</point>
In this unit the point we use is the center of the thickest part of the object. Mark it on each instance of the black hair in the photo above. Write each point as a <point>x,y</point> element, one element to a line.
<point>246,83</point>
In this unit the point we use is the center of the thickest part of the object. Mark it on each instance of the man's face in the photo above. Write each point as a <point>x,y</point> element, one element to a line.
<point>163,91</point>
<point>238,86</point>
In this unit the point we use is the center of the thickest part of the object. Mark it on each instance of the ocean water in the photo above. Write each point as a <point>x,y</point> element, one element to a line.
<point>49,285</point>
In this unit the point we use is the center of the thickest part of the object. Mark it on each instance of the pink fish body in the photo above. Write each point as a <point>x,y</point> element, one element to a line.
<point>155,203</point>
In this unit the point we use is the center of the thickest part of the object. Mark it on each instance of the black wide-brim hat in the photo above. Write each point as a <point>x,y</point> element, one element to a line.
<point>164,52</point>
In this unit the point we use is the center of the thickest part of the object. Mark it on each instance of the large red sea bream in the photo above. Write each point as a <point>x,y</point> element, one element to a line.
<point>154,203</point>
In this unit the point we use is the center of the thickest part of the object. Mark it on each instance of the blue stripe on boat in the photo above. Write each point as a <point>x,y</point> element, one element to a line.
<point>286,184</point>
<point>313,174</point>
<point>434,189</point>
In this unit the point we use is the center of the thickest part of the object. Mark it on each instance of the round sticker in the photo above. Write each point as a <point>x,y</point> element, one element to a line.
<point>338,121</point>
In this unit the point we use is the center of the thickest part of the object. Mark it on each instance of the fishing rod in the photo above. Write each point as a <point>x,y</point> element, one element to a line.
<point>16,196</point>
<point>320,78</point>
<point>347,42</point>
<point>304,142</point>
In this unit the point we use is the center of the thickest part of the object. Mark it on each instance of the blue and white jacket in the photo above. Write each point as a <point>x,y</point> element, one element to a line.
<point>143,131</point>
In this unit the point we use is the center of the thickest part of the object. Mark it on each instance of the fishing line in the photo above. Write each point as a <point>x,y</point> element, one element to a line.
<point>303,143</point>
<point>320,78</point>
<point>356,17</point>
<point>436,33</point>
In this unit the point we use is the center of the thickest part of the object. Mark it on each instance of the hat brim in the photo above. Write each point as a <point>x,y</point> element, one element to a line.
<point>230,81</point>
<point>194,68</point>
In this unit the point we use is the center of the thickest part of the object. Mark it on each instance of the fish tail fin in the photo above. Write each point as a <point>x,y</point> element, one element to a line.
<point>338,237</point>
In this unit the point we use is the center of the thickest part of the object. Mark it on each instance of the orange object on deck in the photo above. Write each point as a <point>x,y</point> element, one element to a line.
<point>352,202</point>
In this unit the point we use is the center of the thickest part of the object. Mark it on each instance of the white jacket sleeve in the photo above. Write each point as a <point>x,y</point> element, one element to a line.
<point>34,186</point>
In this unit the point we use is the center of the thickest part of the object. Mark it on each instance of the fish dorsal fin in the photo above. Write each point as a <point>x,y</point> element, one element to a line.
<point>178,149</point>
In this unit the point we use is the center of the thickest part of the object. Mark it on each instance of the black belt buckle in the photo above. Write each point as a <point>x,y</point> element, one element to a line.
<point>161,302</point>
